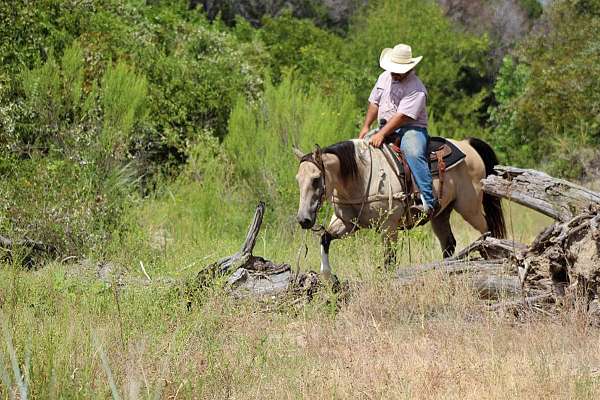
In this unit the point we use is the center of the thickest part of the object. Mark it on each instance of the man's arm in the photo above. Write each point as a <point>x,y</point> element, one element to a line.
<point>369,118</point>
<point>394,123</point>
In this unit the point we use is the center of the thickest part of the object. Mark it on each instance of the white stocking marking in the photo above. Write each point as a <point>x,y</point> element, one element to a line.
<point>325,267</point>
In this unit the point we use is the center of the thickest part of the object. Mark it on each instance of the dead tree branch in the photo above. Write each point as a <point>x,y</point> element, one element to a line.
<point>29,243</point>
<point>556,198</point>
<point>253,275</point>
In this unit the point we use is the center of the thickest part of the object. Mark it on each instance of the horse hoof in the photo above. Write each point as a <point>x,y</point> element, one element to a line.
<point>331,280</point>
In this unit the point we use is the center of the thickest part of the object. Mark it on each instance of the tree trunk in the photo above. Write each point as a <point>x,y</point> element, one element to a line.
<point>556,198</point>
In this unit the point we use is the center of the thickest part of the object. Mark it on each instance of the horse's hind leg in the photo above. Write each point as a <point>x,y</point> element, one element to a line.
<point>336,229</point>
<point>474,216</point>
<point>443,231</point>
<point>469,206</point>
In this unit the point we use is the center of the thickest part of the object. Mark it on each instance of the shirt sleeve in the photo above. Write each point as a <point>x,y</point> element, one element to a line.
<point>375,96</point>
<point>413,104</point>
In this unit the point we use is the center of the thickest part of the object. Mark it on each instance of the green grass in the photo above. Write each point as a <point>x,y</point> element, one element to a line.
<point>429,340</point>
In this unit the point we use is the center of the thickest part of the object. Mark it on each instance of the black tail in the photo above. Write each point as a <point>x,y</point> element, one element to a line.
<point>492,206</point>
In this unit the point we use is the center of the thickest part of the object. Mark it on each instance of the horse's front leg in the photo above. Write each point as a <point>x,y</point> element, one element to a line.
<point>389,242</point>
<point>336,229</point>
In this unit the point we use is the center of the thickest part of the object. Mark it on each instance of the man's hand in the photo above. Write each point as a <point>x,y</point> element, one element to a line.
<point>363,132</point>
<point>377,140</point>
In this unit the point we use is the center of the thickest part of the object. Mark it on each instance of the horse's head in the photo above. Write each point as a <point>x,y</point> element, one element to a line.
<point>311,181</point>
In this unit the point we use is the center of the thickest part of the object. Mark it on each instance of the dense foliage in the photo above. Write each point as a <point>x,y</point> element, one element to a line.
<point>106,94</point>
<point>549,92</point>
<point>105,102</point>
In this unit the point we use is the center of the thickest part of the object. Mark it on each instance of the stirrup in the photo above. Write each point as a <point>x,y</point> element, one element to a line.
<point>427,212</point>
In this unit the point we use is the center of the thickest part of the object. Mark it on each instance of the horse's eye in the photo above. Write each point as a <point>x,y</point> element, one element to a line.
<point>315,183</point>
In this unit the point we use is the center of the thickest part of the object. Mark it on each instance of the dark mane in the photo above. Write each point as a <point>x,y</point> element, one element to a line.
<point>345,152</point>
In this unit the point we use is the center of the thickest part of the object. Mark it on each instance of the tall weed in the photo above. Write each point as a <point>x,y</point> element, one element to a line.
<point>123,102</point>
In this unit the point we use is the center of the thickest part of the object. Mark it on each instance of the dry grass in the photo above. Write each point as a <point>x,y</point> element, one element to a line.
<point>430,340</point>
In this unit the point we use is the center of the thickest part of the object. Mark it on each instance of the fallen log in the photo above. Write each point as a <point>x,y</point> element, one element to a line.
<point>556,198</point>
<point>490,248</point>
<point>526,302</point>
<point>564,259</point>
<point>32,248</point>
<point>29,243</point>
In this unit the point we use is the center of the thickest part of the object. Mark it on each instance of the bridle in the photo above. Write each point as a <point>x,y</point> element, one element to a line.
<point>323,189</point>
<point>321,167</point>
<point>310,157</point>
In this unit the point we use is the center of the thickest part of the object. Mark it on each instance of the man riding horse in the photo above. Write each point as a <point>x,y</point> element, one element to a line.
<point>399,102</point>
<point>366,187</point>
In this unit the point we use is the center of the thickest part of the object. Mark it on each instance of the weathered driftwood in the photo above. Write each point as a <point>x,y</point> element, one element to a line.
<point>556,198</point>
<point>253,275</point>
<point>564,259</point>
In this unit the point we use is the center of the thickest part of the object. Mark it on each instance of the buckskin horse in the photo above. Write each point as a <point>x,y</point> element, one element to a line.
<point>366,191</point>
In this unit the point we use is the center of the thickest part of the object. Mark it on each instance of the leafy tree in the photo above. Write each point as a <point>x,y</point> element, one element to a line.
<point>300,46</point>
<point>549,96</point>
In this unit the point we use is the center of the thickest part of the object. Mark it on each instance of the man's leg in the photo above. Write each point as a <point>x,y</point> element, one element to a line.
<point>414,147</point>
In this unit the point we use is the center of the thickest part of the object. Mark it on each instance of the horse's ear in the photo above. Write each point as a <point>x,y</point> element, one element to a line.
<point>298,153</point>
<point>317,154</point>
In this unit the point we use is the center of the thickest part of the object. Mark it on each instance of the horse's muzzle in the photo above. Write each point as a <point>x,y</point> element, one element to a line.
<point>305,223</point>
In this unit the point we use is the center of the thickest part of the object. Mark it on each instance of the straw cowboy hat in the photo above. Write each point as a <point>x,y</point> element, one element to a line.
<point>399,59</point>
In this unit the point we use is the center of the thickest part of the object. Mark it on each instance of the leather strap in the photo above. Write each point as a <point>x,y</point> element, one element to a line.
<point>409,186</point>
<point>442,171</point>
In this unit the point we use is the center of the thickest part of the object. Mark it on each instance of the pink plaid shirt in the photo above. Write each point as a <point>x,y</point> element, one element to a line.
<point>408,97</point>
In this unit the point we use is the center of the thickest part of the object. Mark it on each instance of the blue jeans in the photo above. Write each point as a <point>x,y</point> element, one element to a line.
<point>413,144</point>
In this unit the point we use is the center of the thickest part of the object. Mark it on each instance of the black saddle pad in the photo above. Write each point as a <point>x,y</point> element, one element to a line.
<point>452,154</point>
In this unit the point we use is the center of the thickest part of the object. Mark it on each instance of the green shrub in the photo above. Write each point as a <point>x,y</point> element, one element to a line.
<point>261,137</point>
<point>107,93</point>
<point>194,70</point>
<point>511,81</point>
<point>533,8</point>
<point>300,46</point>
<point>67,180</point>
<point>55,201</point>
<point>549,96</point>
<point>53,102</point>
<point>123,100</point>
